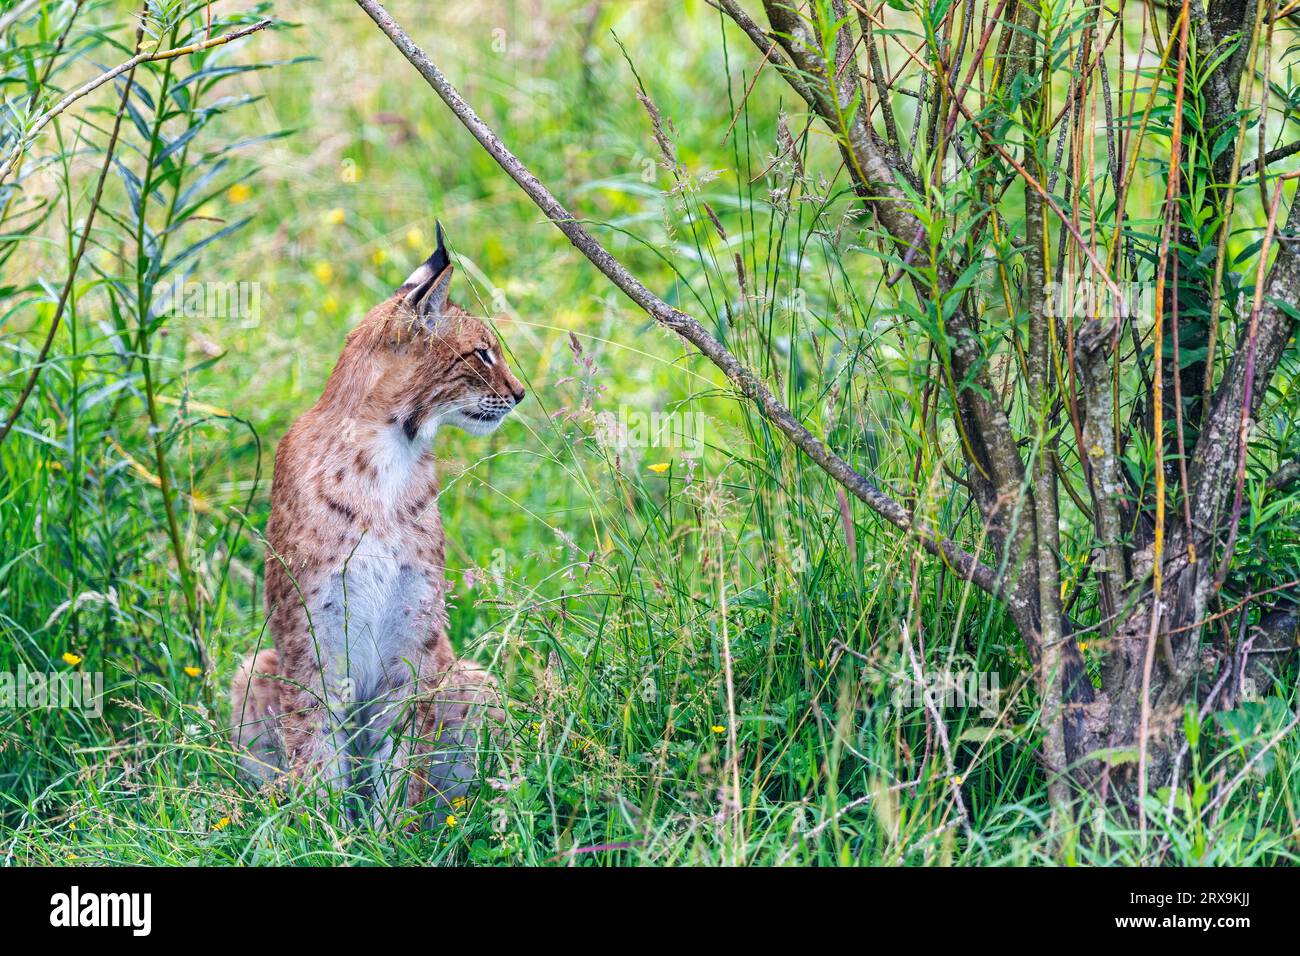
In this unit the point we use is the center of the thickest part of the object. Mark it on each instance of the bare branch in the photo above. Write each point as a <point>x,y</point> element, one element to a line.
<point>1272,156</point>
<point>1286,473</point>
<point>690,329</point>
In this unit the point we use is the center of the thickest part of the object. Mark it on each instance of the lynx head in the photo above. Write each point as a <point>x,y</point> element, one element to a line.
<point>442,366</point>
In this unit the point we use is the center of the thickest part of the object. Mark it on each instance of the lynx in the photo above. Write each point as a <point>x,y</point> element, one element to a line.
<point>362,688</point>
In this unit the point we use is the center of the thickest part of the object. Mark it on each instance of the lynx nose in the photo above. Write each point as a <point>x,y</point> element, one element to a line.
<point>518,393</point>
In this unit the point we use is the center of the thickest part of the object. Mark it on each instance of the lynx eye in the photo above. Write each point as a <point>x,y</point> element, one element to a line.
<point>485,357</point>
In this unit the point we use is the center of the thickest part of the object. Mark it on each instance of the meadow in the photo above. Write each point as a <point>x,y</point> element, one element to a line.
<point>710,653</point>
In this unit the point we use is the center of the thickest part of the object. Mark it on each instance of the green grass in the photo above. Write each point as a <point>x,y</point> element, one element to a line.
<point>606,595</point>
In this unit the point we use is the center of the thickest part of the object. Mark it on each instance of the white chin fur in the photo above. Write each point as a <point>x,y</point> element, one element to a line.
<point>474,426</point>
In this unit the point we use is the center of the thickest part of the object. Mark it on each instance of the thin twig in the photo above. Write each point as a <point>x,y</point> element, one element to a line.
<point>1272,156</point>
<point>76,258</point>
<point>1226,790</point>
<point>1248,388</point>
<point>89,87</point>
<point>1157,407</point>
<point>689,328</point>
<point>15,13</point>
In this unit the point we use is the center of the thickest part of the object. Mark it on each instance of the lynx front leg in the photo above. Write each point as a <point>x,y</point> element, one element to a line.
<point>255,715</point>
<point>314,729</point>
<point>436,741</point>
<point>459,718</point>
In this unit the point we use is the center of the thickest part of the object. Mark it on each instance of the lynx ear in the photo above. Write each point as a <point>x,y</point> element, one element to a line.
<point>426,290</point>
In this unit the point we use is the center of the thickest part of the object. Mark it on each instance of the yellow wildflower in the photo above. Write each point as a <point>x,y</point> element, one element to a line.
<point>660,468</point>
<point>336,216</point>
<point>451,819</point>
<point>415,238</point>
<point>718,729</point>
<point>379,257</point>
<point>239,192</point>
<point>71,659</point>
<point>323,271</point>
<point>222,823</point>
<point>194,671</point>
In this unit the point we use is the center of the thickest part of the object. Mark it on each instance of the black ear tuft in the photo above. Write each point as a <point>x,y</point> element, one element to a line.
<point>425,290</point>
<point>439,260</point>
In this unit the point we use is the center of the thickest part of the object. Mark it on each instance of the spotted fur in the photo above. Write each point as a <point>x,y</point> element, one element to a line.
<point>363,688</point>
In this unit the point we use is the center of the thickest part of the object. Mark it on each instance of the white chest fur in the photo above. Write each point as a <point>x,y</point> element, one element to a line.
<point>375,617</point>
